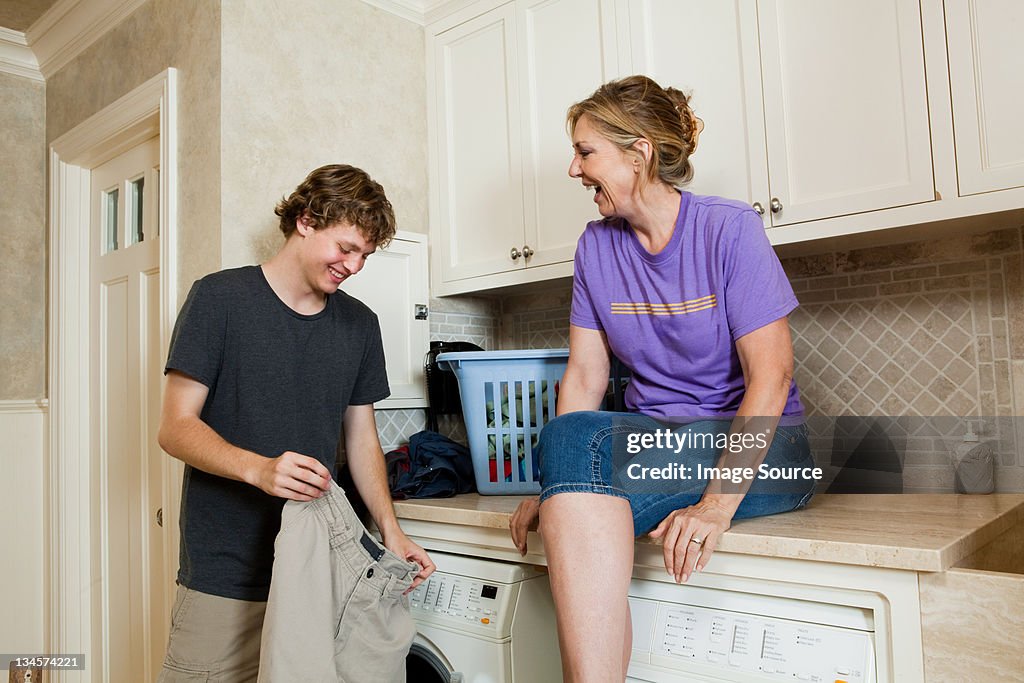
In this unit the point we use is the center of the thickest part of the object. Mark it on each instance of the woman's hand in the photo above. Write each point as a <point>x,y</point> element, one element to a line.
<point>690,535</point>
<point>523,520</point>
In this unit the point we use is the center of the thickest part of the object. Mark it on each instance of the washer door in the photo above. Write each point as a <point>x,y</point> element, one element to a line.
<point>426,664</point>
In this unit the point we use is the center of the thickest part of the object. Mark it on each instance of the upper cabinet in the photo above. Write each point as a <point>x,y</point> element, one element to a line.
<point>801,120</point>
<point>709,50</point>
<point>987,88</point>
<point>846,110</point>
<point>479,180</point>
<point>829,117</point>
<point>500,87</point>
<point>567,51</point>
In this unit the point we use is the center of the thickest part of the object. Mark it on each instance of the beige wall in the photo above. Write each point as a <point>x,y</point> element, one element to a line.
<point>264,97</point>
<point>22,239</point>
<point>312,82</point>
<point>184,34</point>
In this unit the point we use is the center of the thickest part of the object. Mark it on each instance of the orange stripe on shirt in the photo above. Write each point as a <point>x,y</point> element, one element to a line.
<point>691,306</point>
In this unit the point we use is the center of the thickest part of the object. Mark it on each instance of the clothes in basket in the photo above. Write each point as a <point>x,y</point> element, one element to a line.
<point>525,425</point>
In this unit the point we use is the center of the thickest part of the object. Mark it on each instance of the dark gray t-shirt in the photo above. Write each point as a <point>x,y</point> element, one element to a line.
<point>279,381</point>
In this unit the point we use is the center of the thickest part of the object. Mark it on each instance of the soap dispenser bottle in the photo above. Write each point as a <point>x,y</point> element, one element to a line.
<point>973,464</point>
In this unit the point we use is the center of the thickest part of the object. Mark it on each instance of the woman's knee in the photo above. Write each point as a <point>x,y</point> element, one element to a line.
<point>570,429</point>
<point>564,437</point>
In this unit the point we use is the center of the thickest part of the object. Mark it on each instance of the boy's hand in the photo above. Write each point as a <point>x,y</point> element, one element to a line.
<point>398,543</point>
<point>293,476</point>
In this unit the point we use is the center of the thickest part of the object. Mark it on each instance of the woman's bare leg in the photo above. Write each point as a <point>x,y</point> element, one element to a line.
<point>588,540</point>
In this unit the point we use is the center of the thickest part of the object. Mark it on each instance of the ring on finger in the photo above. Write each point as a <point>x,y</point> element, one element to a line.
<point>698,541</point>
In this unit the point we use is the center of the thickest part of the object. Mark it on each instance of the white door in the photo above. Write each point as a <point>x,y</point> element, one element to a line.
<point>709,50</point>
<point>846,112</point>
<point>129,610</point>
<point>480,184</point>
<point>566,52</point>
<point>986,76</point>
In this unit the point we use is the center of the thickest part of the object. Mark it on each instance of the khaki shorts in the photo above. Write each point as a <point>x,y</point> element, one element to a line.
<point>337,610</point>
<point>213,639</point>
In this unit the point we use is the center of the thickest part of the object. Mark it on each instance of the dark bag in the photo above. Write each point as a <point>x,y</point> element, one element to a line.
<point>438,468</point>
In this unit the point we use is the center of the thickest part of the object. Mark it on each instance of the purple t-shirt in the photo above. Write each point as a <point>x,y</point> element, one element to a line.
<point>673,318</point>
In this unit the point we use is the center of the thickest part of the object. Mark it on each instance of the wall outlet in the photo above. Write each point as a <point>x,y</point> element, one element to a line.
<point>18,675</point>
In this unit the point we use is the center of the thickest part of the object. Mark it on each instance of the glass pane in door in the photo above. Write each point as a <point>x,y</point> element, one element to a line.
<point>135,215</point>
<point>110,201</point>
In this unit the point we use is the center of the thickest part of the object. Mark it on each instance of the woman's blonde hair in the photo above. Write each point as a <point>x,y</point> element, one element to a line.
<point>636,107</point>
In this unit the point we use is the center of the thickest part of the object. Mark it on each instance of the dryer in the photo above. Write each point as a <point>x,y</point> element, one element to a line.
<point>692,634</point>
<point>481,621</point>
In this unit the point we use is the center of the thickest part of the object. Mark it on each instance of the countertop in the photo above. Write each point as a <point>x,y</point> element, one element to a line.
<point>918,532</point>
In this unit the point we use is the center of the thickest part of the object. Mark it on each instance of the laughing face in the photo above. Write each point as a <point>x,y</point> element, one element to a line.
<point>603,167</point>
<point>333,254</point>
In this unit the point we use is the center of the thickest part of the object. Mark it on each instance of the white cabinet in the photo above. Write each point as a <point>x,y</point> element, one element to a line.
<point>500,85</point>
<point>478,149</point>
<point>393,283</point>
<point>567,51</point>
<point>986,73</point>
<point>831,117</point>
<point>846,110</point>
<point>812,109</point>
<point>709,50</point>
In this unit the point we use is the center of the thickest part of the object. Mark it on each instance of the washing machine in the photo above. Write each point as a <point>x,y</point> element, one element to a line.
<point>700,635</point>
<point>482,621</point>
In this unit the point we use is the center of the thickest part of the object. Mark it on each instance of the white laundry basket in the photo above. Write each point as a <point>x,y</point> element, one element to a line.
<point>507,398</point>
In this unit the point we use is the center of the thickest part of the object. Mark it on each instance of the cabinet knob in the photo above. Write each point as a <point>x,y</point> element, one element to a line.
<point>776,205</point>
<point>515,254</point>
<point>759,208</point>
<point>160,517</point>
<point>527,252</point>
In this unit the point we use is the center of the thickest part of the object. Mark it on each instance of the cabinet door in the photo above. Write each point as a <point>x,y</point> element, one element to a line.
<point>846,114</point>
<point>986,74</point>
<point>392,283</point>
<point>566,52</point>
<point>479,172</point>
<point>709,51</point>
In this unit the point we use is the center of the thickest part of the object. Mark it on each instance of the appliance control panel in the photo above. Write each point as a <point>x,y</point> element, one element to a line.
<point>466,604</point>
<point>747,646</point>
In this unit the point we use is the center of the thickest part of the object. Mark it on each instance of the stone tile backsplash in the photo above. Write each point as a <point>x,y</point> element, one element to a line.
<point>930,328</point>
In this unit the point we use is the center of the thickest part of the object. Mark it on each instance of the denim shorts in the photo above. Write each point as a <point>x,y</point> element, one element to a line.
<point>604,452</point>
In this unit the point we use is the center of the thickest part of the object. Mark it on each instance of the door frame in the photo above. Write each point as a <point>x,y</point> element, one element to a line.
<point>148,110</point>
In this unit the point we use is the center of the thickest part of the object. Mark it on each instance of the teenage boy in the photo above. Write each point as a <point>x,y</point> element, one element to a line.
<point>267,364</point>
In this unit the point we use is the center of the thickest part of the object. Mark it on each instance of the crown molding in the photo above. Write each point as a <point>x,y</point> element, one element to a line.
<point>411,10</point>
<point>69,27</point>
<point>421,12</point>
<point>16,57</point>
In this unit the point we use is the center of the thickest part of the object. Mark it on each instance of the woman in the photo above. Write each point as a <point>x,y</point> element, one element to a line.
<point>686,291</point>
